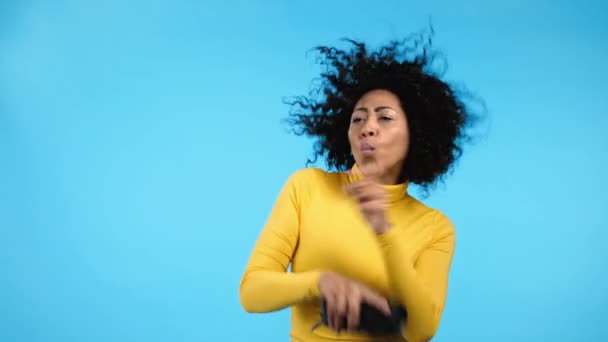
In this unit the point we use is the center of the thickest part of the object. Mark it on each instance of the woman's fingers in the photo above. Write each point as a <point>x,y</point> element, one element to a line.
<point>373,205</point>
<point>354,307</point>
<point>363,191</point>
<point>343,302</point>
<point>376,300</point>
<point>331,312</point>
<point>340,311</point>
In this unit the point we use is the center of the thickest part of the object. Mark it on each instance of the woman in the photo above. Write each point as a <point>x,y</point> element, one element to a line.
<point>355,236</point>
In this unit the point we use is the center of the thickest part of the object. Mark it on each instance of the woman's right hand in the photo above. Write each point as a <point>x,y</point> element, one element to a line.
<point>344,297</point>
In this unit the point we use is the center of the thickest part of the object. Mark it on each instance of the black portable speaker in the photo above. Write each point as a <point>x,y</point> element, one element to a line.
<point>374,322</point>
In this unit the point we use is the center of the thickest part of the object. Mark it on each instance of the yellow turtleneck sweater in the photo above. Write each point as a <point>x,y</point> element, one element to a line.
<point>316,227</point>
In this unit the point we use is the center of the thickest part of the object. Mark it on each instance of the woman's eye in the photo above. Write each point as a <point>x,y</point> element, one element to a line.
<point>386,118</point>
<point>356,119</point>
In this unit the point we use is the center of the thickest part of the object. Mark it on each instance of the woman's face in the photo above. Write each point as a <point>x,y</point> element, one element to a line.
<point>379,135</point>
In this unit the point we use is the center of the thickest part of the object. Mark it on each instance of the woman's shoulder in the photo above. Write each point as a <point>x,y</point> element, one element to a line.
<point>433,216</point>
<point>313,176</point>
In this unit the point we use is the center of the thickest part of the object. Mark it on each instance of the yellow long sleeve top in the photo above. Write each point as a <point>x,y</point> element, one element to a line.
<point>316,227</point>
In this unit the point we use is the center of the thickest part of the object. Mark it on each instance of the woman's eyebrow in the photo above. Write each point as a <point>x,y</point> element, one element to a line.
<point>377,109</point>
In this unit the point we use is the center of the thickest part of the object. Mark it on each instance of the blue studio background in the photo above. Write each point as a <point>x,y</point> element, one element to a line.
<point>141,149</point>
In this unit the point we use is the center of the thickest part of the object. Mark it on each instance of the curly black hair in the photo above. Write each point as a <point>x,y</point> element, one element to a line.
<point>436,112</point>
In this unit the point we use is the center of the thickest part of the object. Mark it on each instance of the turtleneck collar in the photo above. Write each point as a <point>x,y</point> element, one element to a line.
<point>395,192</point>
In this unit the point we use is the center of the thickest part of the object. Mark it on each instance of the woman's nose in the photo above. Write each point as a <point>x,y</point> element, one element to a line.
<point>369,130</point>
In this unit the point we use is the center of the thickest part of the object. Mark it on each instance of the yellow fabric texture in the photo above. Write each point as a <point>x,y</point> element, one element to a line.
<point>315,227</point>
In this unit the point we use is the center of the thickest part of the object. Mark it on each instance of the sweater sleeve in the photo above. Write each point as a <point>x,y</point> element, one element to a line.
<point>267,285</point>
<point>421,284</point>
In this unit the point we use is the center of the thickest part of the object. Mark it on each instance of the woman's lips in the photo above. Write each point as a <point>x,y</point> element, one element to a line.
<point>367,149</point>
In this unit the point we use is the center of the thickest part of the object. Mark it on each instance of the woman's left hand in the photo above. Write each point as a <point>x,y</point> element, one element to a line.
<point>372,199</point>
